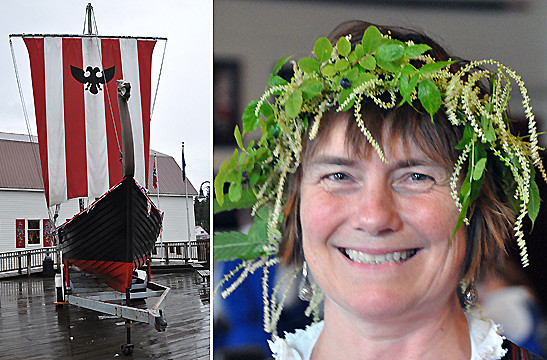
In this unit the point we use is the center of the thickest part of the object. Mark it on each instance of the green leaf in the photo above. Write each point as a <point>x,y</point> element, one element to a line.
<point>435,66</point>
<point>341,64</point>
<point>293,104</point>
<point>352,58</point>
<point>308,65</point>
<point>476,187</point>
<point>243,159</point>
<point>280,64</point>
<point>343,46</point>
<point>328,70</point>
<point>322,49</point>
<point>409,70</point>
<point>429,96</point>
<point>404,89</point>
<point>488,129</point>
<point>258,233</point>
<point>534,201</point>
<point>267,111</point>
<point>219,183</point>
<point>389,57</point>
<point>359,51</point>
<point>356,54</point>
<point>234,245</point>
<point>254,175</point>
<point>311,88</point>
<point>479,169</point>
<point>249,119</point>
<point>352,74</point>
<point>390,53</point>
<point>407,86</point>
<point>276,80</point>
<point>237,135</point>
<point>343,96</point>
<point>262,154</point>
<point>274,130</point>
<point>368,63</point>
<point>362,78</point>
<point>372,39</point>
<point>234,191</point>
<point>250,146</point>
<point>413,51</point>
<point>480,151</point>
<point>247,200</point>
<point>465,189</point>
<point>233,162</point>
<point>467,137</point>
<point>461,217</point>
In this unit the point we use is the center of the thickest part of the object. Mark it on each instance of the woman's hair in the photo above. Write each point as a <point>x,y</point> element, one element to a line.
<point>490,216</point>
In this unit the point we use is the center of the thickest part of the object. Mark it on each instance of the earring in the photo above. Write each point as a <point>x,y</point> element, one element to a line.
<point>470,294</point>
<point>305,290</point>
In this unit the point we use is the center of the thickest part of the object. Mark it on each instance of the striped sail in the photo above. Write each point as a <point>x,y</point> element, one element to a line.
<point>79,132</point>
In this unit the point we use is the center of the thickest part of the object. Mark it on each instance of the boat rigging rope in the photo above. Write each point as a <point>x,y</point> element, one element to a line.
<point>25,114</point>
<point>158,84</point>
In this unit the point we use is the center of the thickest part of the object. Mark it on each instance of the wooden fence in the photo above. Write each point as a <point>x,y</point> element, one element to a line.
<point>25,259</point>
<point>185,251</point>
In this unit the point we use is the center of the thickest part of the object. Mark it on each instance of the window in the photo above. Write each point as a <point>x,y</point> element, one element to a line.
<point>33,232</point>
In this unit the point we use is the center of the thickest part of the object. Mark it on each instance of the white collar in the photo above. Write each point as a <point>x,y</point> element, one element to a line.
<point>485,336</point>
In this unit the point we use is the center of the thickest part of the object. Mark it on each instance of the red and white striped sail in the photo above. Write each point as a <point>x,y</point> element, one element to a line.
<point>78,121</point>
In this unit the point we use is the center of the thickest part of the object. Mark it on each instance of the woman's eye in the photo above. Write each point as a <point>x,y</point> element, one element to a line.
<point>420,177</point>
<point>339,183</point>
<point>337,177</point>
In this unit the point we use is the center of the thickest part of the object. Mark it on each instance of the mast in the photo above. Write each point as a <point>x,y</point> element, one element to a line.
<point>88,13</point>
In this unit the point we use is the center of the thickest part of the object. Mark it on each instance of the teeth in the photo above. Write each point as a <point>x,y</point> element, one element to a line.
<point>364,258</point>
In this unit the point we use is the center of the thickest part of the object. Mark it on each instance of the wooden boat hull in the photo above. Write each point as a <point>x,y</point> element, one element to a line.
<point>114,236</point>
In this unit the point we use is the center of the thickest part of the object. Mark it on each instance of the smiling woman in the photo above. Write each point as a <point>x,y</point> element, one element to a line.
<point>377,241</point>
<point>404,182</point>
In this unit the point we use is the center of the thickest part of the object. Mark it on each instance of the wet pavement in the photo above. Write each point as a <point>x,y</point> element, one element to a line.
<point>31,327</point>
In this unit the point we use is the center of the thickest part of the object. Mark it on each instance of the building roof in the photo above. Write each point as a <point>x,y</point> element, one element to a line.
<point>20,167</point>
<point>169,176</point>
<point>19,164</point>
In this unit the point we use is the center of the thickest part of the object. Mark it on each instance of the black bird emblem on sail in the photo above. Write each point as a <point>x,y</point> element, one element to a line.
<point>93,77</point>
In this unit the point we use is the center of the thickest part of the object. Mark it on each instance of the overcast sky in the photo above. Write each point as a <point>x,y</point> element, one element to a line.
<point>182,110</point>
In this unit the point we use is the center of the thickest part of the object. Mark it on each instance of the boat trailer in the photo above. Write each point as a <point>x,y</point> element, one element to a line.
<point>88,292</point>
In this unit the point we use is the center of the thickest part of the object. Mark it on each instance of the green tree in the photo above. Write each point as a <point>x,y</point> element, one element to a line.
<point>202,211</point>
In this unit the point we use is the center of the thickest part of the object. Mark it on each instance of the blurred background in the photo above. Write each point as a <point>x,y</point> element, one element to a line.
<point>250,36</point>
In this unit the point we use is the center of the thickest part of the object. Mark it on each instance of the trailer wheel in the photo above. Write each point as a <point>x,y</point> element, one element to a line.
<point>127,349</point>
<point>160,323</point>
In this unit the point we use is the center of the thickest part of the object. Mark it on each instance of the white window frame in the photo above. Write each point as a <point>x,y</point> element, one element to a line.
<point>27,232</point>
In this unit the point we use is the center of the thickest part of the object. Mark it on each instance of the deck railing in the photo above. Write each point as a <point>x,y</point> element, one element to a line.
<point>185,251</point>
<point>25,259</point>
<point>182,251</point>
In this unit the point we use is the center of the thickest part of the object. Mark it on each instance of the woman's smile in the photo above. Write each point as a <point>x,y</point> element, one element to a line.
<point>378,259</point>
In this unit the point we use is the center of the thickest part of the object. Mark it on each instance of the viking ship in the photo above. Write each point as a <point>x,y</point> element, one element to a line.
<point>91,148</point>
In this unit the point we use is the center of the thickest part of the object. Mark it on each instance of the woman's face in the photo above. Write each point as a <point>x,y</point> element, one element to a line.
<point>377,236</point>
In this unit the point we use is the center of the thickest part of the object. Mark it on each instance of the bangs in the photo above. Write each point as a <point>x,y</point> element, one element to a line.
<point>437,139</point>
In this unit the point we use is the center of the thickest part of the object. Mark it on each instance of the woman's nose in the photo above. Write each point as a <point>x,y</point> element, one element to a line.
<point>376,211</point>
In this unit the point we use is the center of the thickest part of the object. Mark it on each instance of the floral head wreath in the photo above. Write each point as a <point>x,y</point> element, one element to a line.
<point>340,77</point>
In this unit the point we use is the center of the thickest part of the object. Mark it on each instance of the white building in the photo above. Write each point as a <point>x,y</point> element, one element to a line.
<point>24,215</point>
